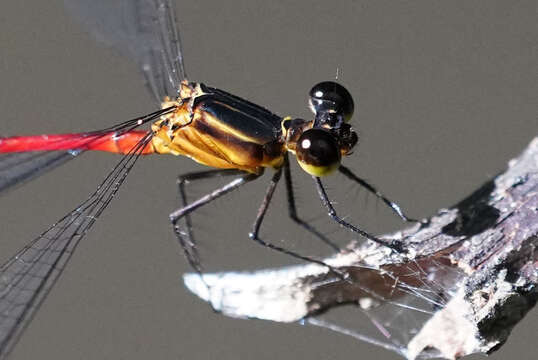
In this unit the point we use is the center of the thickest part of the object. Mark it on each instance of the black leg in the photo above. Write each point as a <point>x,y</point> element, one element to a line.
<point>393,244</point>
<point>254,235</point>
<point>395,207</point>
<point>293,210</point>
<point>185,179</point>
<point>185,240</point>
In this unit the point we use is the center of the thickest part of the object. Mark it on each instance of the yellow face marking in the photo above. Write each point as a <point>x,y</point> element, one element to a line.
<point>318,170</point>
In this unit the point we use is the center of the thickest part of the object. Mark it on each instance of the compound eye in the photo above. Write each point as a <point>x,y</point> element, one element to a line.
<point>317,152</point>
<point>329,96</point>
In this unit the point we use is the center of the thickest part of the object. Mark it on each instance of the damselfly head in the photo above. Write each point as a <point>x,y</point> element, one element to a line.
<point>320,144</point>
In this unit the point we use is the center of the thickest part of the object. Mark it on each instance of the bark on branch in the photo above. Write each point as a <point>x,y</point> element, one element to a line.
<point>479,255</point>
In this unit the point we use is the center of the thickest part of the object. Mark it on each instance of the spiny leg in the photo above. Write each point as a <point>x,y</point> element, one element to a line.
<point>254,235</point>
<point>292,210</point>
<point>393,244</point>
<point>190,248</point>
<point>394,207</point>
<point>187,240</point>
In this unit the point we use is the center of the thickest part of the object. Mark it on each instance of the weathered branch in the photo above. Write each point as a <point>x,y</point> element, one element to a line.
<point>477,262</point>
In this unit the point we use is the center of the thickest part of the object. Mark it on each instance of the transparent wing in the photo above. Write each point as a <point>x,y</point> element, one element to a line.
<point>18,168</point>
<point>143,30</point>
<point>27,277</point>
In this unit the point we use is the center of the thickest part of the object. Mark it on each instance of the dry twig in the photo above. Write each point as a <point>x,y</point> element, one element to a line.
<point>477,261</point>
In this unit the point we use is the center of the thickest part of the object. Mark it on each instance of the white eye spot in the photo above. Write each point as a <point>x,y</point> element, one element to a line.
<point>319,93</point>
<point>305,144</point>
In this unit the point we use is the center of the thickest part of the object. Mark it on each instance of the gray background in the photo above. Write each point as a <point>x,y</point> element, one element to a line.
<point>446,95</point>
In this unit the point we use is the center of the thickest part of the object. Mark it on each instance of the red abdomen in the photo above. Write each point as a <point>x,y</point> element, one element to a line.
<point>100,141</point>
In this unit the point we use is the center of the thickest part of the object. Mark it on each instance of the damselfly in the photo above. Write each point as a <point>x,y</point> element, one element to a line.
<point>211,126</point>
